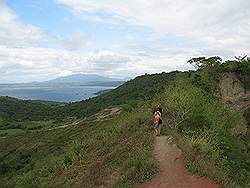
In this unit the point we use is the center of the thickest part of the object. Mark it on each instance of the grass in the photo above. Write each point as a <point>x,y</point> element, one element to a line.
<point>11,132</point>
<point>114,152</point>
<point>117,151</point>
<point>197,163</point>
<point>210,135</point>
<point>23,127</point>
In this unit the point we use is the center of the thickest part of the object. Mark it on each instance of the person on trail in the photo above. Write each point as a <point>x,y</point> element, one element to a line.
<point>158,108</point>
<point>158,120</point>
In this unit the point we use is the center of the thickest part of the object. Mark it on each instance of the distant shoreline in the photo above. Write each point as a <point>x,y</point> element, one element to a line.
<point>61,85</point>
<point>102,91</point>
<point>54,94</point>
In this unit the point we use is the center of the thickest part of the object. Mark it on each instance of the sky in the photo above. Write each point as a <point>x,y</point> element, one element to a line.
<point>44,39</point>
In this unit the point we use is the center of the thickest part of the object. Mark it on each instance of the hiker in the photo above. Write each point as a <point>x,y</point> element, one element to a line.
<point>158,120</point>
<point>158,108</point>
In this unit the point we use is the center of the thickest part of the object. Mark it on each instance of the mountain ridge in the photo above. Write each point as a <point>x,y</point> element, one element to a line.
<point>117,150</point>
<point>71,80</point>
<point>82,78</point>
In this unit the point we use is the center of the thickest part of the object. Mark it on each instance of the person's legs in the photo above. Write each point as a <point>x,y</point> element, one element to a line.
<point>156,131</point>
<point>159,129</point>
<point>156,128</point>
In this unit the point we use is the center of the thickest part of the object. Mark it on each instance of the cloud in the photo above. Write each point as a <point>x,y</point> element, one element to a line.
<point>48,63</point>
<point>36,63</point>
<point>14,33</point>
<point>195,27</point>
<point>76,41</point>
<point>108,61</point>
<point>215,23</point>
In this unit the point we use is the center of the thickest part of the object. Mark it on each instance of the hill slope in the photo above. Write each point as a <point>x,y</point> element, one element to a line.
<point>129,93</point>
<point>117,151</point>
<point>82,78</point>
<point>88,154</point>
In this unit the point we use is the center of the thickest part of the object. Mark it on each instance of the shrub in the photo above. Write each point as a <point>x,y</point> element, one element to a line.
<point>212,130</point>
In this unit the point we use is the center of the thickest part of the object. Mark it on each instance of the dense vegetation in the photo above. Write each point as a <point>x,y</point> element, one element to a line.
<point>242,69</point>
<point>128,94</point>
<point>117,152</point>
<point>213,137</point>
<point>214,134</point>
<point>110,152</point>
<point>13,111</point>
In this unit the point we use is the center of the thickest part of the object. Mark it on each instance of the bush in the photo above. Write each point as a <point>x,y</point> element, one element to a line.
<point>212,130</point>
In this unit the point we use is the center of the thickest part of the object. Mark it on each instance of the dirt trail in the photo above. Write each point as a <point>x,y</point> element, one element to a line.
<point>102,115</point>
<point>64,126</point>
<point>107,113</point>
<point>172,172</point>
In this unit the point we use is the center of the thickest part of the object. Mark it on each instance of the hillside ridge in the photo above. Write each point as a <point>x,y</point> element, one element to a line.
<point>172,172</point>
<point>106,146</point>
<point>233,92</point>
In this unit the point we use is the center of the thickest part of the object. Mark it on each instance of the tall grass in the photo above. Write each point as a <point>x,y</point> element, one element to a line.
<point>213,131</point>
<point>116,152</point>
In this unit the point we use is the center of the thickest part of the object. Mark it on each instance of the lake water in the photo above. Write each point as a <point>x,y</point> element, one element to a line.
<point>65,94</point>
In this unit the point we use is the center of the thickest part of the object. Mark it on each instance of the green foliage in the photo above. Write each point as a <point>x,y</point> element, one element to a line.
<point>19,110</point>
<point>67,161</point>
<point>241,68</point>
<point>90,153</point>
<point>129,94</point>
<point>211,69</point>
<point>207,80</point>
<point>139,169</point>
<point>85,155</point>
<point>213,131</point>
<point>203,62</point>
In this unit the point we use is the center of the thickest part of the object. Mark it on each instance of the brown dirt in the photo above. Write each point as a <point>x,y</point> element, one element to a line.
<point>107,113</point>
<point>65,126</point>
<point>100,116</point>
<point>111,179</point>
<point>172,172</point>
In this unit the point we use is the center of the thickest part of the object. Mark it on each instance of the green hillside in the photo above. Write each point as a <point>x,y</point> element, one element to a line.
<point>85,155</point>
<point>77,145</point>
<point>14,111</point>
<point>128,94</point>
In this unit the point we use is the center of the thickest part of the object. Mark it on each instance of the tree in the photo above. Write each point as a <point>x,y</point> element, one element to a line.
<point>240,58</point>
<point>203,62</point>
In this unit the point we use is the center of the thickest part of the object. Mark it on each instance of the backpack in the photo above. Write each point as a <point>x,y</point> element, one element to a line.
<point>160,121</point>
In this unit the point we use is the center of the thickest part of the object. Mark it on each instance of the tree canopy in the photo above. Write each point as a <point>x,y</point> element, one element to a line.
<point>203,62</point>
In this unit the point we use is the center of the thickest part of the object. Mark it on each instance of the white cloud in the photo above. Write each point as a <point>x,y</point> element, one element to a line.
<point>130,37</point>
<point>33,63</point>
<point>76,41</point>
<point>14,33</point>
<point>215,27</point>
<point>216,23</point>
<point>47,63</point>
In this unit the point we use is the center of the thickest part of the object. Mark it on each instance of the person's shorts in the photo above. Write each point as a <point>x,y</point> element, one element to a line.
<point>157,125</point>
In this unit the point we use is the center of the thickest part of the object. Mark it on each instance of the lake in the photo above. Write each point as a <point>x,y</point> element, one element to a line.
<point>61,94</point>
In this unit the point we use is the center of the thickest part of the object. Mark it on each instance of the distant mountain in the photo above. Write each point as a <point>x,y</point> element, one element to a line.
<point>82,78</point>
<point>71,80</point>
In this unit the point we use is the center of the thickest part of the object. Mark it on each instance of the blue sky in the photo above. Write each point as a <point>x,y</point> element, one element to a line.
<point>59,20</point>
<point>44,39</point>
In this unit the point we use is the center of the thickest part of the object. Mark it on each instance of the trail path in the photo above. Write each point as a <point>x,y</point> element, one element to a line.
<point>102,115</point>
<point>64,126</point>
<point>172,172</point>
